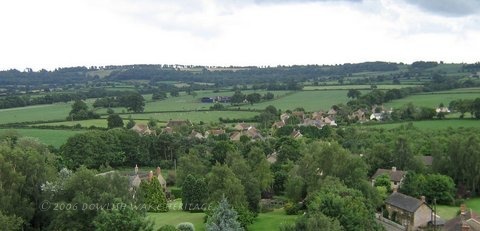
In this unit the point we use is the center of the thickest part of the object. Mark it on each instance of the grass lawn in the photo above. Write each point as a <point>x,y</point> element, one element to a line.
<point>47,136</point>
<point>448,212</point>
<point>309,100</point>
<point>175,216</point>
<point>205,116</point>
<point>272,220</point>
<point>434,124</point>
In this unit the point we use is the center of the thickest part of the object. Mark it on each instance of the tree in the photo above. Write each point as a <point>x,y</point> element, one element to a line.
<point>260,167</point>
<point>383,181</point>
<point>133,102</point>
<point>130,123</point>
<point>78,106</point>
<point>114,121</point>
<point>151,193</point>
<point>237,98</point>
<point>268,96</point>
<point>223,218</point>
<point>159,95</point>
<point>124,218</point>
<point>174,93</point>
<point>222,182</point>
<point>194,194</point>
<point>353,93</point>
<point>253,98</point>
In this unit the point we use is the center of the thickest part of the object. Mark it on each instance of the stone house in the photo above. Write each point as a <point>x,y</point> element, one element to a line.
<point>412,213</point>
<point>396,176</point>
<point>467,220</point>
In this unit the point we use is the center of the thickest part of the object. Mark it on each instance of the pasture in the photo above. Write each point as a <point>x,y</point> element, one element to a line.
<point>309,100</point>
<point>433,99</point>
<point>47,136</point>
<point>433,124</point>
<point>186,102</point>
<point>45,112</point>
<point>194,116</point>
<point>358,87</point>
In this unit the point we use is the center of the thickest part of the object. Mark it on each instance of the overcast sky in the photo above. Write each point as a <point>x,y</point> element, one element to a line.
<point>58,33</point>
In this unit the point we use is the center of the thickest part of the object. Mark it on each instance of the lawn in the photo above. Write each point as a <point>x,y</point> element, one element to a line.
<point>309,100</point>
<point>205,116</point>
<point>272,220</point>
<point>435,98</point>
<point>47,136</point>
<point>433,124</point>
<point>448,212</point>
<point>265,221</point>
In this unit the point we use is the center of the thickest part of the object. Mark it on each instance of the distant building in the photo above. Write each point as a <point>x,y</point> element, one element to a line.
<point>143,129</point>
<point>178,123</point>
<point>467,220</point>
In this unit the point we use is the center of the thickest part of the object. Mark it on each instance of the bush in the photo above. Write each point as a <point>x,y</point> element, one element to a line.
<point>176,192</point>
<point>292,209</point>
<point>167,228</point>
<point>171,178</point>
<point>185,226</point>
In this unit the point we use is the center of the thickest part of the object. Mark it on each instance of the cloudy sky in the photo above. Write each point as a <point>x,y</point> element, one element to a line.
<point>58,33</point>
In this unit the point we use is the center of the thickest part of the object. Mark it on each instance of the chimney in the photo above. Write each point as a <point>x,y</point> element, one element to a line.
<point>463,209</point>
<point>394,189</point>
<point>150,176</point>
<point>422,198</point>
<point>394,169</point>
<point>465,226</point>
<point>136,169</point>
<point>159,171</point>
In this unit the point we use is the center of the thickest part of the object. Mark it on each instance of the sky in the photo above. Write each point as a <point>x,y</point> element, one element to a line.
<point>62,33</point>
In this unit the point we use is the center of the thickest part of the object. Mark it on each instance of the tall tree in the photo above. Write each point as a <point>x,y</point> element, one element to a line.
<point>114,121</point>
<point>224,217</point>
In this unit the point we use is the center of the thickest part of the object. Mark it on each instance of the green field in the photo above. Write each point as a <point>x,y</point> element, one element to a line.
<point>46,112</point>
<point>47,136</point>
<point>434,124</point>
<point>205,116</point>
<point>435,98</point>
<point>360,87</point>
<point>309,100</point>
<point>186,102</point>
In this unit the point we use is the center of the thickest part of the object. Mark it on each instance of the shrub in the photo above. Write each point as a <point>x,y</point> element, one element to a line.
<point>185,226</point>
<point>176,192</point>
<point>167,228</point>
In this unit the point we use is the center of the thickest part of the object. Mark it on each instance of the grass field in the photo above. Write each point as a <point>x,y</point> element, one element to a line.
<point>46,112</point>
<point>47,136</point>
<point>186,102</point>
<point>309,100</point>
<point>361,87</point>
<point>435,98</point>
<point>205,116</point>
<point>434,124</point>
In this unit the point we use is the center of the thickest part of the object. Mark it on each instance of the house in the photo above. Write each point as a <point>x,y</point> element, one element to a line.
<point>251,132</point>
<point>143,129</point>
<point>272,158</point>
<point>396,176</point>
<point>332,112</point>
<point>359,115</point>
<point>299,114</point>
<point>242,127</point>
<point>318,115</point>
<point>313,122</point>
<point>136,178</point>
<point>207,100</point>
<point>376,116</point>
<point>296,134</point>
<point>278,124</point>
<point>214,132</point>
<point>408,211</point>
<point>442,109</point>
<point>467,220</point>
<point>329,120</point>
<point>168,130</point>
<point>195,134</point>
<point>178,123</point>
<point>284,117</point>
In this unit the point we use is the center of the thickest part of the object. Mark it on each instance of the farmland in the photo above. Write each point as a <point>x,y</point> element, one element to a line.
<point>433,124</point>
<point>433,99</point>
<point>194,116</point>
<point>47,136</point>
<point>359,87</point>
<point>309,100</point>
